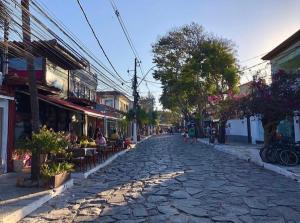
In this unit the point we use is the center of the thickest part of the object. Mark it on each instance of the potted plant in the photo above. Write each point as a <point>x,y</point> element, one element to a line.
<point>55,174</point>
<point>92,143</point>
<point>54,155</point>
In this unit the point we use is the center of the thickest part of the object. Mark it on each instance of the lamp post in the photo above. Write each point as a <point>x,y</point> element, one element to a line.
<point>135,95</point>
<point>146,74</point>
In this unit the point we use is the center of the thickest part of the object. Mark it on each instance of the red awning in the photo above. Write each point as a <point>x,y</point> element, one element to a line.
<point>69,105</point>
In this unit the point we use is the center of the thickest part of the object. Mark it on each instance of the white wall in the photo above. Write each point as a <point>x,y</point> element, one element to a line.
<point>4,106</point>
<point>237,127</point>
<point>257,130</point>
<point>57,77</point>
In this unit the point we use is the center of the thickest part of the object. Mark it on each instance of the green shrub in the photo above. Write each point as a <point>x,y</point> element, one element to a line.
<point>51,169</point>
<point>47,141</point>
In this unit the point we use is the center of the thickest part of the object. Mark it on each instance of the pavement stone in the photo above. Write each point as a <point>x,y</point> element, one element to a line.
<point>166,180</point>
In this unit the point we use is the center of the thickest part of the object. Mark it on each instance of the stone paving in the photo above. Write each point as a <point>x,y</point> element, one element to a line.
<point>166,180</point>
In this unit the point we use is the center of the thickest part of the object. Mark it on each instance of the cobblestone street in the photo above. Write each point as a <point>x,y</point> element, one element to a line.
<point>165,180</point>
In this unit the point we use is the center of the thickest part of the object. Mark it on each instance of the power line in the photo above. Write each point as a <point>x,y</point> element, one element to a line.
<point>125,31</point>
<point>80,45</point>
<point>152,82</point>
<point>127,35</point>
<point>71,37</point>
<point>255,65</point>
<point>37,34</point>
<point>252,58</point>
<point>97,39</point>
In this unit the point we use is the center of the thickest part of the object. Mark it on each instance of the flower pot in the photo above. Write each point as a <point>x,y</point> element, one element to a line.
<point>57,180</point>
<point>26,170</point>
<point>18,165</point>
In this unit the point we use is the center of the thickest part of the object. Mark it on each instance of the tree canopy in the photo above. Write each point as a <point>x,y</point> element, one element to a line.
<point>192,66</point>
<point>274,102</point>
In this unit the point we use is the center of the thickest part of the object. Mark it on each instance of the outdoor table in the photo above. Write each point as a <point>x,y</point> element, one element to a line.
<point>89,151</point>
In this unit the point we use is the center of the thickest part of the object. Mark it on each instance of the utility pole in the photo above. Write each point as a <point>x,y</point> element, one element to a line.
<point>5,23</point>
<point>135,101</point>
<point>34,103</point>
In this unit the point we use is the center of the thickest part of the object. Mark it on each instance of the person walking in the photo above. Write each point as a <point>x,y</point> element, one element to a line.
<point>185,135</point>
<point>192,134</point>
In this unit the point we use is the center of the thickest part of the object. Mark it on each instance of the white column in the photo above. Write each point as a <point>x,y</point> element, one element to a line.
<point>85,125</point>
<point>105,128</point>
<point>297,127</point>
<point>134,132</point>
<point>3,148</point>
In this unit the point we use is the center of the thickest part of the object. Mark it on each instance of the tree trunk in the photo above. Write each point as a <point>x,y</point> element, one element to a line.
<point>269,133</point>
<point>222,131</point>
<point>34,104</point>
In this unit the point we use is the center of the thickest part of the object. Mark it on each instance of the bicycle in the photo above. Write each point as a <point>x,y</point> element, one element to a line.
<point>284,153</point>
<point>272,152</point>
<point>291,155</point>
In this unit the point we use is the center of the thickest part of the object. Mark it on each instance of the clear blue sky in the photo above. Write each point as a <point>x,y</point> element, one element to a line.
<point>256,26</point>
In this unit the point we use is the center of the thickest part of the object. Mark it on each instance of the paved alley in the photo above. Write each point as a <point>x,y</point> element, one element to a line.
<point>166,180</point>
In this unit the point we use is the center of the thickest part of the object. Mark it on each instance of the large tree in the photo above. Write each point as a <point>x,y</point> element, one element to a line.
<point>215,66</point>
<point>147,102</point>
<point>171,53</point>
<point>194,66</point>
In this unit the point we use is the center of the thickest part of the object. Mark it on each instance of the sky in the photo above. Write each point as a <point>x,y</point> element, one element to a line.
<point>255,26</point>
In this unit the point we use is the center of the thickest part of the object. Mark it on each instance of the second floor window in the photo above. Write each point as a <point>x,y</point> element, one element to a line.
<point>109,102</point>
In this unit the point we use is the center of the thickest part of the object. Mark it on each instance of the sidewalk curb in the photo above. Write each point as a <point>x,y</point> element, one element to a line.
<point>80,176</point>
<point>255,160</point>
<point>20,213</point>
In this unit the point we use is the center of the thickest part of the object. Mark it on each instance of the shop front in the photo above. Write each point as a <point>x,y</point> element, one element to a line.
<point>111,126</point>
<point>94,124</point>
<point>54,113</point>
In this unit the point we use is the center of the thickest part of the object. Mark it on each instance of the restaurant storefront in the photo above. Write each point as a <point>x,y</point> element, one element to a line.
<point>111,126</point>
<point>53,114</point>
<point>94,122</point>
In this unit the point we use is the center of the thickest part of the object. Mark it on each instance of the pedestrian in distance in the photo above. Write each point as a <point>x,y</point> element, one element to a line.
<point>185,135</point>
<point>192,134</point>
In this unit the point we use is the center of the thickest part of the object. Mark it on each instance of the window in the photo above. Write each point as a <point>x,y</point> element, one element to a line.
<point>93,95</point>
<point>88,96</point>
<point>109,102</point>
<point>82,91</point>
<point>77,89</point>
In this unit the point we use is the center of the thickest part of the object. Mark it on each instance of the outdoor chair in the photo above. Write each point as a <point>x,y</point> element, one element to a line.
<point>101,152</point>
<point>89,158</point>
<point>95,157</point>
<point>110,147</point>
<point>78,157</point>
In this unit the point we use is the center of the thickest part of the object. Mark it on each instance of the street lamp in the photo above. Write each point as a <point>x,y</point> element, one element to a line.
<point>146,74</point>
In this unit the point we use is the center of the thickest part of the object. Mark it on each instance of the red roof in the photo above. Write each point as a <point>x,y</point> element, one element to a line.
<point>67,104</point>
